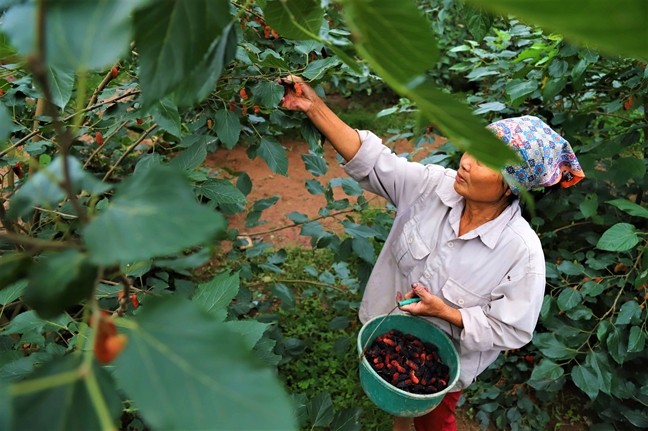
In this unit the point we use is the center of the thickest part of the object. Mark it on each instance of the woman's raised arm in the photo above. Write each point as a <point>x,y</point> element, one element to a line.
<point>299,96</point>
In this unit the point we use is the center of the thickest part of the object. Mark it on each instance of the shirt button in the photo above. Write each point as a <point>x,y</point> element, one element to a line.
<point>451,244</point>
<point>460,302</point>
<point>427,275</point>
<point>410,240</point>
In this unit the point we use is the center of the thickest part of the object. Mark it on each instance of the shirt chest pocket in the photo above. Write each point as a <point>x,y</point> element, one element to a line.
<point>457,296</point>
<point>410,248</point>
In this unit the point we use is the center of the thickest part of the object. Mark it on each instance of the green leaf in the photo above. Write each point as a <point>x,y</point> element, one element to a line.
<point>347,420</point>
<point>571,268</point>
<point>152,214</point>
<point>244,183</point>
<point>228,127</point>
<point>568,299</point>
<point>586,380</point>
<point>600,363</point>
<point>12,292</point>
<point>221,191</point>
<point>271,59</point>
<point>43,188</point>
<point>592,288</point>
<point>637,339</point>
<point>346,58</point>
<point>617,345</point>
<point>5,123</point>
<point>341,345</point>
<point>312,136</point>
<point>6,50</point>
<point>363,248</point>
<point>285,294</point>
<point>13,267</point>
<point>316,69</point>
<point>297,217</point>
<point>597,23</point>
<point>264,350</point>
<point>320,410</point>
<point>173,38</point>
<point>190,158</point>
<point>294,19</point>
<point>314,187</point>
<point>300,401</point>
<point>250,331</point>
<point>165,114</point>
<point>339,322</point>
<point>620,237</point>
<point>274,155</point>
<point>58,281</point>
<point>489,107</point>
<point>315,164</point>
<point>457,122</point>
<point>75,32</point>
<point>552,88</point>
<point>50,408</point>
<point>626,168</point>
<point>358,230</point>
<point>25,322</point>
<point>517,90</point>
<point>60,83</point>
<point>202,80</point>
<point>478,21</point>
<point>196,364</point>
<point>630,207</point>
<point>351,187</point>
<point>553,346</point>
<point>394,37</point>
<point>547,370</point>
<point>629,310</point>
<point>268,93</point>
<point>216,295</point>
<point>589,205</point>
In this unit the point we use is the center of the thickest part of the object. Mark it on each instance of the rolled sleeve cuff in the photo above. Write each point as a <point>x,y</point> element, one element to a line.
<point>365,159</point>
<point>476,334</point>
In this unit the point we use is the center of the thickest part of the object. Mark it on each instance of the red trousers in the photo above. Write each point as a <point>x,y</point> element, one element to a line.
<point>442,418</point>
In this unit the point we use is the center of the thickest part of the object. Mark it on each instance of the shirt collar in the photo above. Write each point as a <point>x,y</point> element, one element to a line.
<point>490,232</point>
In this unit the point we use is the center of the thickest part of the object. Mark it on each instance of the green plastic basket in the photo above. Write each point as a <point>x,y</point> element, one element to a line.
<point>388,397</point>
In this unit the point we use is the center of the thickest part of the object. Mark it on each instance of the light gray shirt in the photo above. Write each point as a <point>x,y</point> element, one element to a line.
<point>494,275</point>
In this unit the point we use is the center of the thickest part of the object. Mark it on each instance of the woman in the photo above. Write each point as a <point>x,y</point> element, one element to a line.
<point>458,241</point>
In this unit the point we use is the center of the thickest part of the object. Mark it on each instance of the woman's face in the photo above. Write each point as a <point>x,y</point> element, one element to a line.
<point>479,183</point>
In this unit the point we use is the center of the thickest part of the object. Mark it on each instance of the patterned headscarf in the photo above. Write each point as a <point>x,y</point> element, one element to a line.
<point>547,158</point>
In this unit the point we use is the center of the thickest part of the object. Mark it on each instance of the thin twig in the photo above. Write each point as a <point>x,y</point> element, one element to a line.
<point>123,301</point>
<point>38,243</point>
<point>350,210</point>
<point>571,225</point>
<point>39,70</point>
<point>95,152</point>
<point>102,85</point>
<point>128,150</point>
<point>55,212</point>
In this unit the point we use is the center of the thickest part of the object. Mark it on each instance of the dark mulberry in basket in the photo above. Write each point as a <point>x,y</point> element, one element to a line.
<point>406,362</point>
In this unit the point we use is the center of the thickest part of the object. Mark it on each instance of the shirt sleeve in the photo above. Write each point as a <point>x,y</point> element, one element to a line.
<point>382,172</point>
<point>508,321</point>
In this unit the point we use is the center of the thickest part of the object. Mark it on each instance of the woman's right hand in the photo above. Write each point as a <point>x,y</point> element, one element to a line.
<point>298,96</point>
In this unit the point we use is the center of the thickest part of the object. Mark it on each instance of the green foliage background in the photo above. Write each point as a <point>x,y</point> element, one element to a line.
<point>109,109</point>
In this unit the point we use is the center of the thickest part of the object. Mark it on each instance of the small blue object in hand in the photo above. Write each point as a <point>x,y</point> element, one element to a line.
<point>408,301</point>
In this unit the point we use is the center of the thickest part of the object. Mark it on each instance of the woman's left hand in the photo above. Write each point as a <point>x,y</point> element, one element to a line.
<point>430,305</point>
